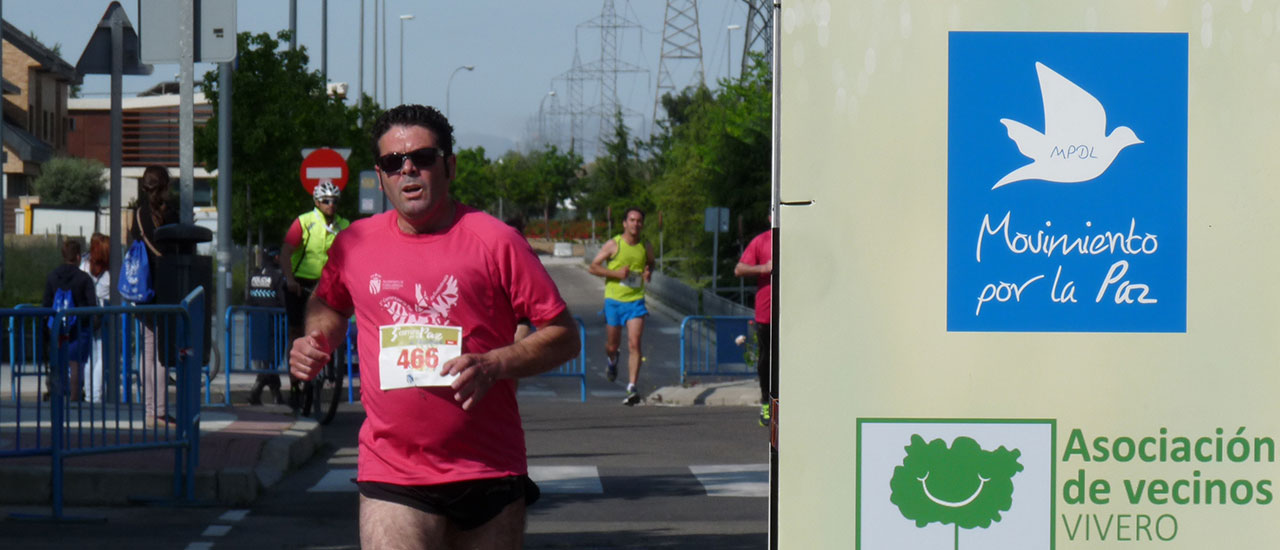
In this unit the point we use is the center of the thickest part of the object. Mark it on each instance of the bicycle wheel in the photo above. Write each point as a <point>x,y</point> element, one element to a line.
<point>326,392</point>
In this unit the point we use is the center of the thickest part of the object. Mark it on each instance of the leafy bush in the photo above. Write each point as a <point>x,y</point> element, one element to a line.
<point>71,182</point>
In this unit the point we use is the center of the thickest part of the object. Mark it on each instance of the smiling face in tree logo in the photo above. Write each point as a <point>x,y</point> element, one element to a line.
<point>963,485</point>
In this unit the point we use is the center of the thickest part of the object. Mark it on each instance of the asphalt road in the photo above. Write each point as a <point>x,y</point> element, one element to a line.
<point>612,476</point>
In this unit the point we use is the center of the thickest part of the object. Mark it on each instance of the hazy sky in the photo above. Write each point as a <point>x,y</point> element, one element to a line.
<point>517,47</point>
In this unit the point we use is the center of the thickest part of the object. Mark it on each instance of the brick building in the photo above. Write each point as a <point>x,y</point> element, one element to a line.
<point>36,84</point>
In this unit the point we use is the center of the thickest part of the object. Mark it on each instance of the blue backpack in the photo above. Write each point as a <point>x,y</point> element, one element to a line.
<point>135,282</point>
<point>63,299</point>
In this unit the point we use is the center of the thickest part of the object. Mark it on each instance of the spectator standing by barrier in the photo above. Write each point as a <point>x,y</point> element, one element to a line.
<point>78,287</point>
<point>757,260</point>
<point>266,289</point>
<point>626,263</point>
<point>97,264</point>
<point>155,208</point>
<point>442,454</point>
<point>306,249</point>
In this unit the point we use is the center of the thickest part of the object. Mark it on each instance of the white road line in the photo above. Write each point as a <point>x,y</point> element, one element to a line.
<point>567,479</point>
<point>216,530</point>
<point>337,480</point>
<point>537,392</point>
<point>733,480</point>
<point>233,515</point>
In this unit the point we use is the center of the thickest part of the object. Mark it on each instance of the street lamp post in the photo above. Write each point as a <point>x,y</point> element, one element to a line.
<point>728,50</point>
<point>542,132</point>
<point>403,18</point>
<point>450,85</point>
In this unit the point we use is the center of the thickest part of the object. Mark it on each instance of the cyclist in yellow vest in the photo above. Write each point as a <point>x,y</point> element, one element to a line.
<point>304,252</point>
<point>626,263</point>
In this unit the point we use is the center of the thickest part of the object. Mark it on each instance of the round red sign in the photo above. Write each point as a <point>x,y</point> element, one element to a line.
<point>323,164</point>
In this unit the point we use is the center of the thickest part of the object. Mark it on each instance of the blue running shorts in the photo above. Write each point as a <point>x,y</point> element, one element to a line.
<point>616,314</point>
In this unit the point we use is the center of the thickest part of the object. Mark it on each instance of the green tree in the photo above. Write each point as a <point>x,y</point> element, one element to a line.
<point>279,107</point>
<point>618,179</point>
<point>72,182</point>
<point>474,184</point>
<point>555,176</point>
<point>964,485</point>
<point>713,150</point>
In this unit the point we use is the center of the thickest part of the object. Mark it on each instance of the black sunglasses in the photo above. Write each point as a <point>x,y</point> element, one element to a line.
<point>327,201</point>
<point>422,158</point>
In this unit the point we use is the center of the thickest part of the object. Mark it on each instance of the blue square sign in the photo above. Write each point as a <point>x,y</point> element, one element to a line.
<point>1067,182</point>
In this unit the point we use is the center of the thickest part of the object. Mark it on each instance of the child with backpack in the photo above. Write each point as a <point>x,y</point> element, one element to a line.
<point>65,287</point>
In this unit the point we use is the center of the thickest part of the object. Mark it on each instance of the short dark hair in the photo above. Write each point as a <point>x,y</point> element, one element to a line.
<point>71,251</point>
<point>633,209</point>
<point>415,115</point>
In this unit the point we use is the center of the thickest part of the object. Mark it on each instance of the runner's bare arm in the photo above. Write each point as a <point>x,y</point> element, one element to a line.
<point>597,266</point>
<point>648,262</point>
<point>325,328</point>
<point>552,344</point>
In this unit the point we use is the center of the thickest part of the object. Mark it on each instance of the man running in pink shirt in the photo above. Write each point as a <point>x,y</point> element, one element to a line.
<point>436,288</point>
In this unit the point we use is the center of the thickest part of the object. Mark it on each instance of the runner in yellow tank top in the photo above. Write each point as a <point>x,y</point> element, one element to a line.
<point>626,263</point>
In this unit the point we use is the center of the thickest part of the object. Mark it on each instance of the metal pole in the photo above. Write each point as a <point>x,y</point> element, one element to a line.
<point>224,198</point>
<point>324,42</point>
<point>403,18</point>
<point>449,86</point>
<point>384,52</point>
<point>186,111</point>
<point>375,50</point>
<point>715,253</point>
<point>728,50</point>
<point>117,123</point>
<point>293,25</point>
<point>360,64</point>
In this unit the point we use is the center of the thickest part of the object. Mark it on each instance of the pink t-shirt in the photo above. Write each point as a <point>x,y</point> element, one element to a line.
<point>759,251</point>
<point>479,275</point>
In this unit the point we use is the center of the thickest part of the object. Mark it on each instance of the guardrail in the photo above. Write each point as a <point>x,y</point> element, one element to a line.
<point>42,419</point>
<point>576,367</point>
<point>708,346</point>
<point>264,343</point>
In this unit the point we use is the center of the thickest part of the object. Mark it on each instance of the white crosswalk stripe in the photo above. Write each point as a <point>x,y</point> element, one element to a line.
<point>567,479</point>
<point>737,480</point>
<point>719,480</point>
<point>337,480</point>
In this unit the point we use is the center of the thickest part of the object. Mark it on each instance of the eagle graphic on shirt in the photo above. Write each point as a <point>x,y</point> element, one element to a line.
<point>431,309</point>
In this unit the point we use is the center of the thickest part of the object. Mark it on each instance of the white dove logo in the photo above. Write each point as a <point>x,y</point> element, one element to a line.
<point>1075,146</point>
<point>430,310</point>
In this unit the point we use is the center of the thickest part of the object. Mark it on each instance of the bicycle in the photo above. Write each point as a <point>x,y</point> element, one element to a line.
<point>320,396</point>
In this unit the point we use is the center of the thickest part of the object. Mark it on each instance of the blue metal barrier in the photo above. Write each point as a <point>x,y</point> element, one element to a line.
<point>708,346</point>
<point>264,336</point>
<point>63,427</point>
<point>576,367</point>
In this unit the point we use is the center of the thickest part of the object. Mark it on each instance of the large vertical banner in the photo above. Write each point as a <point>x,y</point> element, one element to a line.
<point>1027,285</point>
<point>1067,182</point>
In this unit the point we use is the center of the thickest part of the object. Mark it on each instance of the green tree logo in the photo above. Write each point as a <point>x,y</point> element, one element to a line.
<point>964,485</point>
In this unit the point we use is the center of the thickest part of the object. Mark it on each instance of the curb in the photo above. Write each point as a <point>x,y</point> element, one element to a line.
<point>743,393</point>
<point>30,484</point>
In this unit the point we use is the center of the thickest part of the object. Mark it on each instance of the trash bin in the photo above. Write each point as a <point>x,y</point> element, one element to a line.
<point>180,272</point>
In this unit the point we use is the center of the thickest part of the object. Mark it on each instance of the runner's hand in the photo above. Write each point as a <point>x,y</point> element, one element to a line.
<point>308,355</point>
<point>624,270</point>
<point>476,375</point>
<point>293,287</point>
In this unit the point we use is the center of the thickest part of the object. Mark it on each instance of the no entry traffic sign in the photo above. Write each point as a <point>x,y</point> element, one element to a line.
<point>323,164</point>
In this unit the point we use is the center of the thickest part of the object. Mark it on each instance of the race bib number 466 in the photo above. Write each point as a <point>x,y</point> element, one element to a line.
<point>411,355</point>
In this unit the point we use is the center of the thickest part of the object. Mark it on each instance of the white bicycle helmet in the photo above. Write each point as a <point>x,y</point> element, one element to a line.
<point>325,189</point>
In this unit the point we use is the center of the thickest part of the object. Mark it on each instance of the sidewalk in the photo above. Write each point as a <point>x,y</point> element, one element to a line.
<point>243,451</point>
